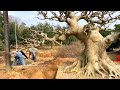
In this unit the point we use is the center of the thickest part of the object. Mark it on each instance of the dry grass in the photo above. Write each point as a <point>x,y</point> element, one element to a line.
<point>70,51</point>
<point>74,50</point>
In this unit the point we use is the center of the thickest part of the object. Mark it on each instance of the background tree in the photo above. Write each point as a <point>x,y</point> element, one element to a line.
<point>23,33</point>
<point>14,19</point>
<point>117,28</point>
<point>44,34</point>
<point>115,44</point>
<point>21,30</point>
<point>1,33</point>
<point>12,33</point>
<point>14,22</point>
<point>70,40</point>
<point>94,59</point>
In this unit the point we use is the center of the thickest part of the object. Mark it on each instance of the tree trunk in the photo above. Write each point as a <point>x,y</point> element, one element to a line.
<point>7,46</point>
<point>94,59</point>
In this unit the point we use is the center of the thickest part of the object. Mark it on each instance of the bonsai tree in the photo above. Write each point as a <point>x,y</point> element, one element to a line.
<point>94,59</point>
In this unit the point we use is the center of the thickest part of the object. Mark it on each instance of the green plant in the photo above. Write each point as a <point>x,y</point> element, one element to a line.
<point>1,45</point>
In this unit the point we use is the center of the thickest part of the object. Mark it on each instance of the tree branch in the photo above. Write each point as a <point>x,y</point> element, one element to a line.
<point>111,38</point>
<point>104,17</point>
<point>45,37</point>
<point>61,16</point>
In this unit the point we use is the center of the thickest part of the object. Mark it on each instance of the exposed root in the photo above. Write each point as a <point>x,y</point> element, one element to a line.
<point>102,68</point>
<point>114,74</point>
<point>89,71</point>
<point>113,64</point>
<point>114,71</point>
<point>75,67</point>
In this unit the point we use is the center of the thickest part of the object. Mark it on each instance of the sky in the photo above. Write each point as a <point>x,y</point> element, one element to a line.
<point>29,18</point>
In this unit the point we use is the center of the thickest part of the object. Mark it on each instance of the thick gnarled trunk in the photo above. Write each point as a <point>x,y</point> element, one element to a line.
<point>94,59</point>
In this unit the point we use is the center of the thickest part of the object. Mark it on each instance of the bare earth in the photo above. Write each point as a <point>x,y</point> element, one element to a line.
<point>45,68</point>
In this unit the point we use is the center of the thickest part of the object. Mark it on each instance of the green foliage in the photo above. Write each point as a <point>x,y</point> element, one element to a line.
<point>12,33</point>
<point>34,27</point>
<point>70,40</point>
<point>1,28</point>
<point>1,21</point>
<point>1,45</point>
<point>117,27</point>
<point>115,44</point>
<point>20,32</point>
<point>1,33</point>
<point>25,33</point>
<point>46,28</point>
<point>105,33</point>
<point>22,26</point>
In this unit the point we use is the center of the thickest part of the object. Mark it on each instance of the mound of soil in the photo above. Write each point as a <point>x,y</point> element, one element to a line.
<point>11,75</point>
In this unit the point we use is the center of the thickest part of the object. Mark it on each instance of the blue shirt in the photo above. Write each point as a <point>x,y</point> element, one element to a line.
<point>19,54</point>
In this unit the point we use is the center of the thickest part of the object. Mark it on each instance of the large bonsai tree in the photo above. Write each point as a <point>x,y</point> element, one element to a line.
<point>94,59</point>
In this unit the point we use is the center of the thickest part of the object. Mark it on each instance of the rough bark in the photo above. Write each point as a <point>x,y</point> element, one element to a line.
<point>94,58</point>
